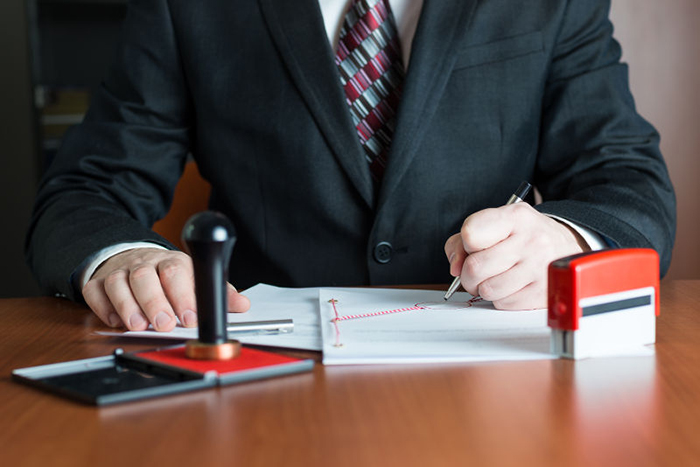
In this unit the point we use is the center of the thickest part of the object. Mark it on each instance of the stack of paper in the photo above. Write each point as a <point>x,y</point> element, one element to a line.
<point>428,330</point>
<point>367,326</point>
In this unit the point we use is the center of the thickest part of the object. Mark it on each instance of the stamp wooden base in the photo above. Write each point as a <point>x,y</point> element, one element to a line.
<point>201,351</point>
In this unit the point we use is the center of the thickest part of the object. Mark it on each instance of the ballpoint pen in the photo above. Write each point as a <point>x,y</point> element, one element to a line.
<point>275,326</point>
<point>516,197</point>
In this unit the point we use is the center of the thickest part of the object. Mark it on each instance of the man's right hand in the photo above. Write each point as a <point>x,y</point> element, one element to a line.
<point>145,286</point>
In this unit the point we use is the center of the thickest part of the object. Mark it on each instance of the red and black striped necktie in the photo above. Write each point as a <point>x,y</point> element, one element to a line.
<point>371,72</point>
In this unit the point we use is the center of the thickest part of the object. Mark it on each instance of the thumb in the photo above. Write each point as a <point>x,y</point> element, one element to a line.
<point>237,303</point>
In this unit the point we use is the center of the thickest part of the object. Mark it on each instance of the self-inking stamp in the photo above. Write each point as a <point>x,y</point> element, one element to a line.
<point>603,303</point>
<point>211,360</point>
<point>209,238</point>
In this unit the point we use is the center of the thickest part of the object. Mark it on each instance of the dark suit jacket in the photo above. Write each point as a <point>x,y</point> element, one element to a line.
<point>496,92</point>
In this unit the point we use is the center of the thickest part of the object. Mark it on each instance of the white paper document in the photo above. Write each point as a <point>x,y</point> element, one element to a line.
<point>411,326</point>
<point>267,303</point>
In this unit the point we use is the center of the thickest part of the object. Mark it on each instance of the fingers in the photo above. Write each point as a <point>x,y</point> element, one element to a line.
<point>177,279</point>
<point>118,291</point>
<point>481,230</point>
<point>500,264</point>
<point>149,295</point>
<point>127,290</point>
<point>478,267</point>
<point>486,228</point>
<point>502,254</point>
<point>533,296</point>
<point>96,298</point>
<point>149,286</point>
<point>514,288</point>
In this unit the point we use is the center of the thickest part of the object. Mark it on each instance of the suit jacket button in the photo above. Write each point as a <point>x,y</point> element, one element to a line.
<point>383,252</point>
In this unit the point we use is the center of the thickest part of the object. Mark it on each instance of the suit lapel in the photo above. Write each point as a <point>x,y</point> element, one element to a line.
<point>297,29</point>
<point>441,25</point>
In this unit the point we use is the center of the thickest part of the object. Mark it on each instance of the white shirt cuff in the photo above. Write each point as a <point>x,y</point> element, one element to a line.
<point>595,241</point>
<point>106,253</point>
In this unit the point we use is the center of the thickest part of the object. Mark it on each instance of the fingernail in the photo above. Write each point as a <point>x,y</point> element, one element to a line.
<point>162,320</point>
<point>189,318</point>
<point>114,320</point>
<point>136,321</point>
<point>452,257</point>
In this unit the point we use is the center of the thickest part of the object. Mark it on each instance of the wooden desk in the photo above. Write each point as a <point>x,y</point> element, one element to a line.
<point>622,411</point>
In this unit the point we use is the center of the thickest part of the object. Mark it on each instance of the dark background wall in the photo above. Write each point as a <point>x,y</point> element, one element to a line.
<point>18,156</point>
<point>54,52</point>
<point>661,43</point>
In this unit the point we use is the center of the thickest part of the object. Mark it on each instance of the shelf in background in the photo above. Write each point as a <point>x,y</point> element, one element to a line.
<point>72,44</point>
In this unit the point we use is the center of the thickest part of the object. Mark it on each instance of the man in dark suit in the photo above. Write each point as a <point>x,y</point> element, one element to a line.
<point>494,92</point>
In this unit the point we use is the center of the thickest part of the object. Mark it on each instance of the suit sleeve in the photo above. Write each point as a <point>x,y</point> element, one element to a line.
<point>115,173</point>
<point>600,164</point>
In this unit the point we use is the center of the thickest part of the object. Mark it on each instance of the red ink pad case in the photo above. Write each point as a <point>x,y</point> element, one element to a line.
<point>123,377</point>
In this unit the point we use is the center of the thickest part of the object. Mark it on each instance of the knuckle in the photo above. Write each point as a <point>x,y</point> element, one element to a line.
<point>114,278</point>
<point>486,291</point>
<point>472,266</point>
<point>521,210</point>
<point>519,214</point>
<point>90,289</point>
<point>181,255</point>
<point>152,305</point>
<point>467,235</point>
<point>466,229</point>
<point>140,271</point>
<point>178,256</point>
<point>169,269</point>
<point>474,226</point>
<point>182,260</point>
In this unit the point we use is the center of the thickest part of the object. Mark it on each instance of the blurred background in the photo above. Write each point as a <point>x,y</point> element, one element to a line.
<point>53,53</point>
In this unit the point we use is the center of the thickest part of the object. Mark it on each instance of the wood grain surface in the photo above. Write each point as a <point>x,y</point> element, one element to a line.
<point>614,411</point>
